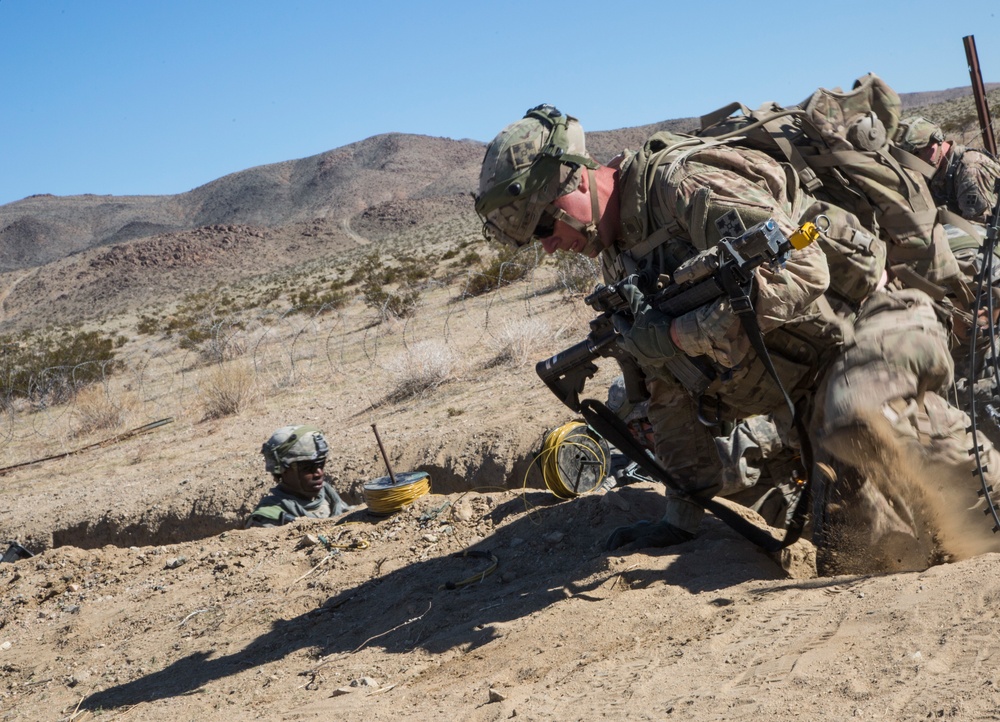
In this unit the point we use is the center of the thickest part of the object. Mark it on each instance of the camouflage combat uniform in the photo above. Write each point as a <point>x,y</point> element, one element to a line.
<point>279,507</point>
<point>812,347</point>
<point>881,412</point>
<point>801,330</point>
<point>966,183</point>
<point>758,470</point>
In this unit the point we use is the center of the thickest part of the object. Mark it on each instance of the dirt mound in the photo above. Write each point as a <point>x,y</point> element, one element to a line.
<point>485,607</point>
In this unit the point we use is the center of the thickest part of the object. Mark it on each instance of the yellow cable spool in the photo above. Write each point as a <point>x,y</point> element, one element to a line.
<point>386,496</point>
<point>574,460</point>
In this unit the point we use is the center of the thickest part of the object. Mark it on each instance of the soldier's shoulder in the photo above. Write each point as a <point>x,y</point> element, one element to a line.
<point>272,497</point>
<point>976,157</point>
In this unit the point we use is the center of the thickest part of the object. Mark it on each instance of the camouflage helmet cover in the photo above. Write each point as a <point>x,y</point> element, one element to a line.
<point>916,133</point>
<point>526,167</point>
<point>291,444</point>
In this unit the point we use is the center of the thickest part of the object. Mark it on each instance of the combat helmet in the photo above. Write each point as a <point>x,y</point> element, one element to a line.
<point>291,444</point>
<point>527,166</point>
<point>916,133</point>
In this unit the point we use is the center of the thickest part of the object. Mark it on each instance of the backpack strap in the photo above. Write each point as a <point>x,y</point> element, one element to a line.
<point>846,158</point>
<point>722,113</point>
<point>766,121</point>
<point>908,160</point>
<point>779,133</point>
<point>952,218</point>
<point>912,279</point>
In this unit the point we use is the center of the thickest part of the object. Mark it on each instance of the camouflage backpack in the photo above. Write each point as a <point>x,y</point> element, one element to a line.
<point>838,145</point>
<point>856,258</point>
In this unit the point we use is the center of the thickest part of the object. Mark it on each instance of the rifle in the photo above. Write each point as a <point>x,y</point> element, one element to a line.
<point>724,269</point>
<point>567,372</point>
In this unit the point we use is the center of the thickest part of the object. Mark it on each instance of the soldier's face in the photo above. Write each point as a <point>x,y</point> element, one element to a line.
<point>564,237</point>
<point>303,479</point>
<point>931,154</point>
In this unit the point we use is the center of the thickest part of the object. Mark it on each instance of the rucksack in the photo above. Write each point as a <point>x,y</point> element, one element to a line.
<point>837,143</point>
<point>856,257</point>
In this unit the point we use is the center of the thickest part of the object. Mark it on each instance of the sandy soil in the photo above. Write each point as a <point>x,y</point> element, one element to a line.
<point>148,602</point>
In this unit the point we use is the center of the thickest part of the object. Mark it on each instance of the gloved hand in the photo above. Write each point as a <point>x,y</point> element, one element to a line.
<point>647,534</point>
<point>648,337</point>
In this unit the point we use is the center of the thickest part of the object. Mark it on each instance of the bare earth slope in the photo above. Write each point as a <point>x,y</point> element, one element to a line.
<point>147,601</point>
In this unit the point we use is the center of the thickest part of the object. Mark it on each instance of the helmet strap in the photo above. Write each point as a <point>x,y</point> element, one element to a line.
<point>589,230</point>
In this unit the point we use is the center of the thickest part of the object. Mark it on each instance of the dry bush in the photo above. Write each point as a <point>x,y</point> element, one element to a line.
<point>425,365</point>
<point>228,389</point>
<point>516,340</point>
<point>508,266</point>
<point>96,408</point>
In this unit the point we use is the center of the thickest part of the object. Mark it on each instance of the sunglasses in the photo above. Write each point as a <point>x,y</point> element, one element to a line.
<point>546,226</point>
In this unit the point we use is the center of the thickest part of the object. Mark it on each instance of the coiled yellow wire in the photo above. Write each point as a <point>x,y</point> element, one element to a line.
<point>572,434</point>
<point>385,498</point>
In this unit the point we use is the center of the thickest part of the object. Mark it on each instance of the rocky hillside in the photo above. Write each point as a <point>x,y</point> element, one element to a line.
<point>335,185</point>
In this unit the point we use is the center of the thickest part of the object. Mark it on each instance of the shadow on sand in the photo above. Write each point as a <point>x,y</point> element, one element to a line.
<point>416,611</point>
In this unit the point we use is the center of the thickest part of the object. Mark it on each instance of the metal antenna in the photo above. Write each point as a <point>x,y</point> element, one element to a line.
<point>385,457</point>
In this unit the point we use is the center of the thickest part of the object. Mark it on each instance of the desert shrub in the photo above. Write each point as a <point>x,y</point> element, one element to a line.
<point>50,368</point>
<point>391,304</point>
<point>225,340</point>
<point>147,325</point>
<point>312,301</point>
<point>415,273</point>
<point>515,340</point>
<point>423,366</point>
<point>508,266</point>
<point>228,389</point>
<point>194,336</point>
<point>375,276</point>
<point>95,408</point>
<point>214,330</point>
<point>960,123</point>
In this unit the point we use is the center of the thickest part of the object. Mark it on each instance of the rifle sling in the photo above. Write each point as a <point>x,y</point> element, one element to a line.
<point>607,424</point>
<point>739,301</point>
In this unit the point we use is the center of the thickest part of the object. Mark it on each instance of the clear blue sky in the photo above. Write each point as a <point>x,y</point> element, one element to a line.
<point>139,97</point>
